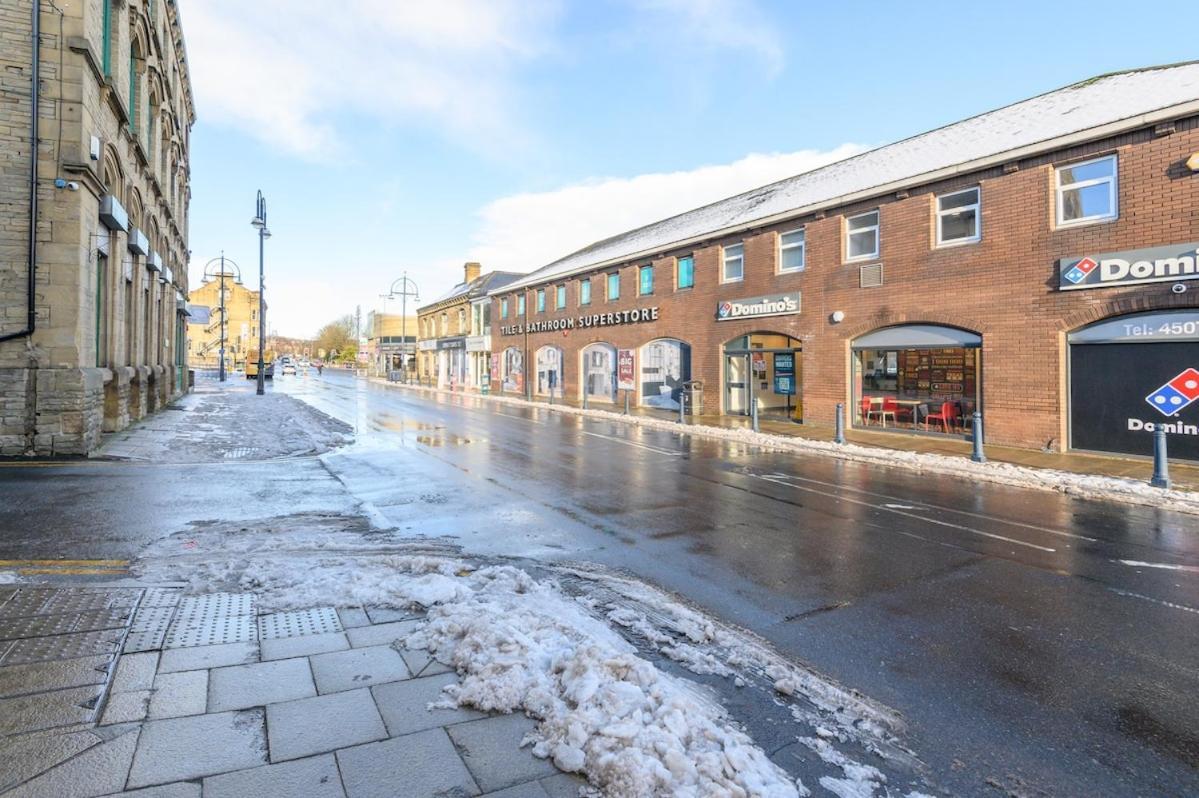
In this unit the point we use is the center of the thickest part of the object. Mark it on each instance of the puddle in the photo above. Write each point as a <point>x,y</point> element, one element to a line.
<point>445,440</point>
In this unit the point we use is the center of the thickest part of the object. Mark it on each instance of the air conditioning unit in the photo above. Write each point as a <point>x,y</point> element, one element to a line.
<point>112,214</point>
<point>138,243</point>
<point>870,276</point>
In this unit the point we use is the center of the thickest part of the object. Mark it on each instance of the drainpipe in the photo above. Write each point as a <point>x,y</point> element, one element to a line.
<point>35,97</point>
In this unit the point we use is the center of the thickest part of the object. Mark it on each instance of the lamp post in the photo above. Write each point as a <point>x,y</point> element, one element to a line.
<point>259,222</point>
<point>404,284</point>
<point>223,261</point>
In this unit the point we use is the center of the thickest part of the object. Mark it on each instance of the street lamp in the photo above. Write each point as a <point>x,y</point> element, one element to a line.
<point>404,284</point>
<point>259,222</point>
<point>223,261</point>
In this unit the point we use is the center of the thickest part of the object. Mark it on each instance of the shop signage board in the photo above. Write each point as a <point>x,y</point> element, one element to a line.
<point>615,318</point>
<point>784,384</point>
<point>755,307</point>
<point>451,343</point>
<point>626,379</point>
<point>1165,264</point>
<point>784,363</point>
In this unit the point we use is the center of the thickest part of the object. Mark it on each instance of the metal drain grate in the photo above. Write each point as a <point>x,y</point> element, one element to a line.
<point>149,629</point>
<point>298,623</point>
<point>68,646</point>
<point>50,602</point>
<point>58,624</point>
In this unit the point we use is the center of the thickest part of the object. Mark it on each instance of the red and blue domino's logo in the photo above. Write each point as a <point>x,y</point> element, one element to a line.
<point>1079,271</point>
<point>726,309</point>
<point>1177,394</point>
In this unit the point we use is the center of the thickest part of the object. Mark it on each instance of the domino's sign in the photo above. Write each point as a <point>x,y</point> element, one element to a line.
<point>1166,264</point>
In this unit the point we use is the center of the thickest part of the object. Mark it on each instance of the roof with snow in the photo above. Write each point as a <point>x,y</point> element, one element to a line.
<point>1099,106</point>
<point>480,286</point>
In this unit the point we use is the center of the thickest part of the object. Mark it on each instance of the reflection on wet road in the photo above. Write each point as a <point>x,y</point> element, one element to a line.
<point>1034,642</point>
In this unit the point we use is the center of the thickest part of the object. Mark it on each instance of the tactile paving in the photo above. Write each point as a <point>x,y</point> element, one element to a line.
<point>297,623</point>
<point>214,605</point>
<point>201,630</point>
<point>149,629</point>
<point>68,646</point>
<point>59,624</point>
<point>41,601</point>
<point>161,597</point>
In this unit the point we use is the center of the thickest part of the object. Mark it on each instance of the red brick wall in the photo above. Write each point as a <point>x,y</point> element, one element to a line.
<point>1003,287</point>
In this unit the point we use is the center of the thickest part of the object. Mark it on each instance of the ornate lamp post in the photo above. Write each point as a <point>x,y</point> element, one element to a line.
<point>407,288</point>
<point>207,276</point>
<point>259,222</point>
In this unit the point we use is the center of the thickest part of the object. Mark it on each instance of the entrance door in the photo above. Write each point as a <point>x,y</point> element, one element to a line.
<point>736,368</point>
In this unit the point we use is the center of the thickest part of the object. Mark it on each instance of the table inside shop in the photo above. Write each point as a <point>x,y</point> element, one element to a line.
<point>914,404</point>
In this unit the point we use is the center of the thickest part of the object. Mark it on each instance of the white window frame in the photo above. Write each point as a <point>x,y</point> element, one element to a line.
<point>586,280</point>
<point>802,246</point>
<point>1112,188</point>
<point>876,227</point>
<point>641,283</point>
<point>724,262</point>
<point>559,297</point>
<point>978,217</point>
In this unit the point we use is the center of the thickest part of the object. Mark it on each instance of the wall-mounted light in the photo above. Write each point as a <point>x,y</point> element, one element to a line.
<point>837,316</point>
<point>1193,162</point>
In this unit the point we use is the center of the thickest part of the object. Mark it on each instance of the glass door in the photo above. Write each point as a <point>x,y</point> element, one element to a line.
<point>736,398</point>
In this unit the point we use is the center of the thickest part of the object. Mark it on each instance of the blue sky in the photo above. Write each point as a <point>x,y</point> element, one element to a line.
<point>393,135</point>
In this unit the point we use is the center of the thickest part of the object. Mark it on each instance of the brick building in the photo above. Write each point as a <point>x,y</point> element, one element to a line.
<point>93,218</point>
<point>1035,263</point>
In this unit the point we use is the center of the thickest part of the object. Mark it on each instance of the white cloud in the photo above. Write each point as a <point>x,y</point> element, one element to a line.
<point>721,24</point>
<point>526,231</point>
<point>282,69</point>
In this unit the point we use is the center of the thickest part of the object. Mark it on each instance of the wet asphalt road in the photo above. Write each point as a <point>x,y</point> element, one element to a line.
<point>1035,643</point>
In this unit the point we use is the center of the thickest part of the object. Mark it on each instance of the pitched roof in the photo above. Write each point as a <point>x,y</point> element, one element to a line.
<point>477,287</point>
<point>1086,110</point>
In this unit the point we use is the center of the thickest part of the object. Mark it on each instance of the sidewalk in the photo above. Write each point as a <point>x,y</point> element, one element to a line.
<point>141,691</point>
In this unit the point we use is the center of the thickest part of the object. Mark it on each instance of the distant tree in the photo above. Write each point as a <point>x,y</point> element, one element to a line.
<point>337,335</point>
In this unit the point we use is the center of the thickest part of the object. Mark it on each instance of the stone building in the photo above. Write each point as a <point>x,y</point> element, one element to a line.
<point>240,317</point>
<point>390,342</point>
<point>454,332</point>
<point>93,231</point>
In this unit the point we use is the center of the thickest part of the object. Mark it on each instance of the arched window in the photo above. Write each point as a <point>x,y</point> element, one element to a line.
<point>599,372</point>
<point>665,366</point>
<point>152,127</point>
<point>513,373</point>
<point>549,370</point>
<point>137,72</point>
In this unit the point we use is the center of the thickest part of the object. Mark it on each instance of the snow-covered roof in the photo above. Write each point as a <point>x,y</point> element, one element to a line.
<point>477,287</point>
<point>1090,109</point>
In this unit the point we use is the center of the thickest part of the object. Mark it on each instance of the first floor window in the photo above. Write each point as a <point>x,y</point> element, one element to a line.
<point>613,286</point>
<point>503,308</point>
<point>560,298</point>
<point>732,263</point>
<point>645,280</point>
<point>541,300</point>
<point>1086,192</point>
<point>520,305</point>
<point>685,277</point>
<point>792,254</point>
<point>861,236</point>
<point>585,291</point>
<point>957,217</point>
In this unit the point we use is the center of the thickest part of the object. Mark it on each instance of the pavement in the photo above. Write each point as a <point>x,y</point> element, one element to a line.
<point>1034,643</point>
<point>148,692</point>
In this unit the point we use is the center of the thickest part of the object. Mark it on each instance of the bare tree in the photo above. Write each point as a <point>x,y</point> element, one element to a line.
<point>336,336</point>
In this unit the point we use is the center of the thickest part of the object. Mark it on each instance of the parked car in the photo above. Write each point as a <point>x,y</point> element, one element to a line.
<point>289,368</point>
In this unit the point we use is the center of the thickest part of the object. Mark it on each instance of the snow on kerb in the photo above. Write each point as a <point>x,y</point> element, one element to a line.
<point>1072,110</point>
<point>1087,486</point>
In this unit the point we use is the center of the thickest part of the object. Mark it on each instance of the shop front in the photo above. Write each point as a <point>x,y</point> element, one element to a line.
<point>1132,375</point>
<point>549,371</point>
<point>665,366</point>
<point>452,362</point>
<point>478,361</point>
<point>763,369</point>
<point>599,372</point>
<point>917,377</point>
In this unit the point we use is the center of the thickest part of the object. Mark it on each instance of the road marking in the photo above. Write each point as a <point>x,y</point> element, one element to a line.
<point>926,520</point>
<point>666,452</point>
<point>89,563</point>
<point>1168,566</point>
<point>72,571</point>
<point>1163,602</point>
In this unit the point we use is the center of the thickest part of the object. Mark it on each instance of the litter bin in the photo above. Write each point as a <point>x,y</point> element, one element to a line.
<point>693,397</point>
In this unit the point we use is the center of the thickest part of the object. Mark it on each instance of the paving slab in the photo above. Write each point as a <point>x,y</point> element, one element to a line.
<point>563,785</point>
<point>46,710</point>
<point>490,749</point>
<point>389,614</point>
<point>286,647</point>
<point>99,770</point>
<point>421,662</point>
<point>178,694</point>
<point>203,657</point>
<point>178,749</point>
<point>39,677</point>
<point>357,667</point>
<point>126,707</point>
<point>135,672</point>
<point>180,789</point>
<point>530,789</point>
<point>314,777</point>
<point>422,765</point>
<point>324,723</point>
<point>22,758</point>
<point>404,705</point>
<point>382,634</point>
<point>259,684</point>
<point>353,616</point>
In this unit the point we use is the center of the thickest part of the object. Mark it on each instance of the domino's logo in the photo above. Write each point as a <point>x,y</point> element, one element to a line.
<point>1079,271</point>
<point>726,308</point>
<point>1177,394</point>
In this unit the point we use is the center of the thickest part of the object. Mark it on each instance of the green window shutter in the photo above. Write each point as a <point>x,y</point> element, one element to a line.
<point>106,56</point>
<point>133,98</point>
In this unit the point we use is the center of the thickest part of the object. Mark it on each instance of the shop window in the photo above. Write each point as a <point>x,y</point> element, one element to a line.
<point>861,236</point>
<point>732,263</point>
<point>560,298</point>
<point>613,286</point>
<point>541,300</point>
<point>958,218</point>
<point>549,370</point>
<point>685,272</point>
<point>1086,192</point>
<point>645,280</point>
<point>599,372</point>
<point>792,251</point>
<point>665,366</point>
<point>503,308</point>
<point>585,291</point>
<point>520,305</point>
<point>513,370</point>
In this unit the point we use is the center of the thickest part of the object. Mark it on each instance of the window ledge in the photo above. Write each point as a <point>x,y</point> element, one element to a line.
<point>1087,222</point>
<point>956,244</point>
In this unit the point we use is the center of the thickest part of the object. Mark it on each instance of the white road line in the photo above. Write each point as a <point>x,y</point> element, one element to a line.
<point>1162,602</point>
<point>981,516</point>
<point>884,508</point>
<point>1168,566</point>
<point>666,452</point>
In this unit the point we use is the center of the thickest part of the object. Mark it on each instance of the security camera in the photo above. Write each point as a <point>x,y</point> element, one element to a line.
<point>1179,288</point>
<point>72,186</point>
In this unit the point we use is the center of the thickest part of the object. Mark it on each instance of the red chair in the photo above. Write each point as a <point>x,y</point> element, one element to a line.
<point>865,407</point>
<point>947,416</point>
<point>898,412</point>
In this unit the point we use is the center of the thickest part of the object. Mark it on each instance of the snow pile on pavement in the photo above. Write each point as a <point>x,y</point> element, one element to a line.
<point>1088,486</point>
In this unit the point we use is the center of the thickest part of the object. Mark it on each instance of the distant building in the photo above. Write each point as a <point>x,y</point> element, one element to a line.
<point>390,342</point>
<point>454,332</point>
<point>240,320</point>
<point>92,306</point>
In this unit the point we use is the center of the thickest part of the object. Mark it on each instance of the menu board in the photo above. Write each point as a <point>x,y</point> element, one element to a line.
<point>939,373</point>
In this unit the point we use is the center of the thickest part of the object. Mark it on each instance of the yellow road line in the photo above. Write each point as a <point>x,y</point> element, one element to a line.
<point>72,571</point>
<point>94,563</point>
